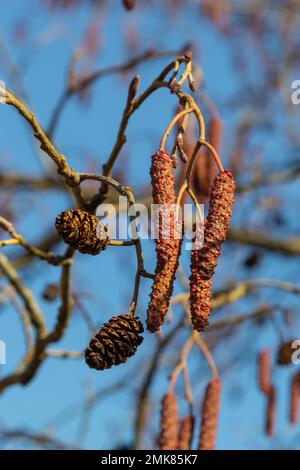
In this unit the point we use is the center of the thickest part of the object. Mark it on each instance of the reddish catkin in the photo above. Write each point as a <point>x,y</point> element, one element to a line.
<point>128,4</point>
<point>205,259</point>
<point>210,414</point>
<point>264,370</point>
<point>270,411</point>
<point>294,398</point>
<point>168,239</point>
<point>185,435</point>
<point>205,170</point>
<point>168,423</point>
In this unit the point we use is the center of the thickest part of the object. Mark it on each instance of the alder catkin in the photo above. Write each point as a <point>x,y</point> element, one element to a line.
<point>204,260</point>
<point>270,411</point>
<point>210,414</point>
<point>294,398</point>
<point>205,169</point>
<point>129,4</point>
<point>115,342</point>
<point>168,239</point>
<point>264,370</point>
<point>185,434</point>
<point>82,231</point>
<point>168,423</point>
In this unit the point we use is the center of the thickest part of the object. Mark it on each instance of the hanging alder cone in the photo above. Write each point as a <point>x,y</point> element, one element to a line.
<point>264,371</point>
<point>168,239</point>
<point>185,435</point>
<point>270,411</point>
<point>82,231</point>
<point>115,342</point>
<point>285,352</point>
<point>205,259</point>
<point>168,423</point>
<point>294,398</point>
<point>210,414</point>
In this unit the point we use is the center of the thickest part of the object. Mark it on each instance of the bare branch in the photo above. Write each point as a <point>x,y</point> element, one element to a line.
<point>70,176</point>
<point>49,257</point>
<point>288,246</point>
<point>25,294</point>
<point>8,180</point>
<point>80,83</point>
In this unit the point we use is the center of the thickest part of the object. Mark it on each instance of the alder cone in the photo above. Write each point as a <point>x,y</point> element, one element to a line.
<point>185,433</point>
<point>168,423</point>
<point>210,414</point>
<point>168,239</point>
<point>285,352</point>
<point>204,260</point>
<point>115,342</point>
<point>82,231</point>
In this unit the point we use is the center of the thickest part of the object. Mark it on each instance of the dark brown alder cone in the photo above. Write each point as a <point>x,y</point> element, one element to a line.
<point>82,231</point>
<point>270,411</point>
<point>210,414</point>
<point>264,370</point>
<point>294,398</point>
<point>168,423</point>
<point>185,433</point>
<point>205,259</point>
<point>168,243</point>
<point>115,342</point>
<point>285,352</point>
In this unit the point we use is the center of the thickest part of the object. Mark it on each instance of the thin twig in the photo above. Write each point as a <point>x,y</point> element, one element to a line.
<point>70,176</point>
<point>18,239</point>
<point>82,82</point>
<point>210,360</point>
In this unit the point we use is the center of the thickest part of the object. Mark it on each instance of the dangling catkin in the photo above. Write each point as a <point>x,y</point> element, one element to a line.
<point>294,398</point>
<point>168,242</point>
<point>205,259</point>
<point>129,4</point>
<point>204,169</point>
<point>210,414</point>
<point>185,435</point>
<point>264,370</point>
<point>168,423</point>
<point>270,411</point>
